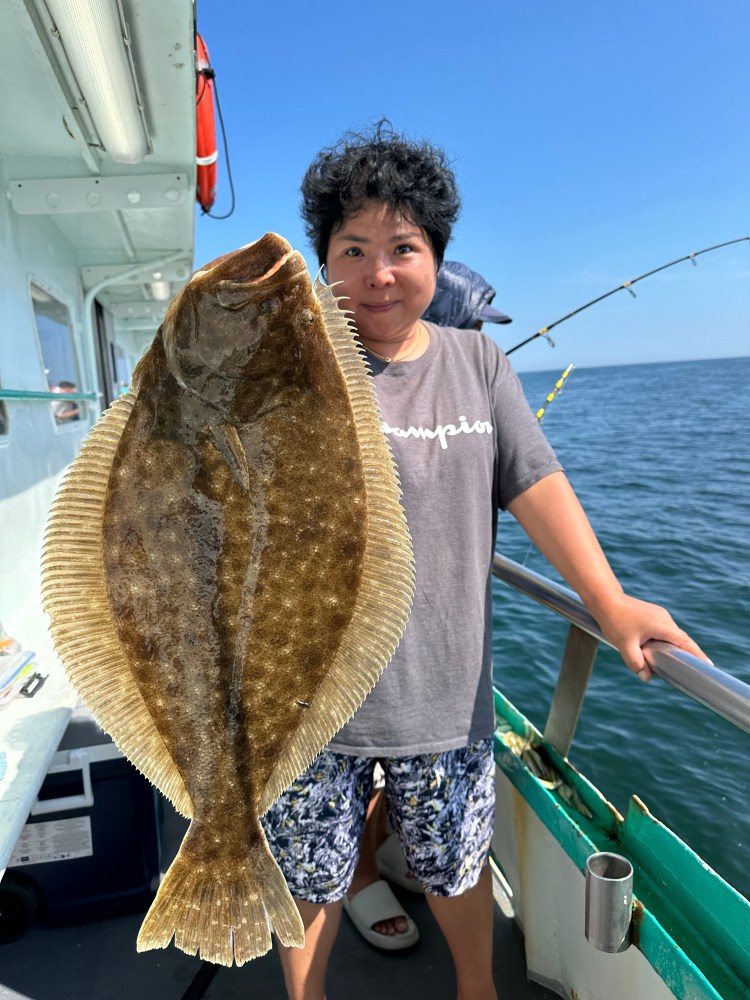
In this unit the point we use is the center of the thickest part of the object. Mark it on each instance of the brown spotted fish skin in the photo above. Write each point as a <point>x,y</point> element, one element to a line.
<point>249,576</point>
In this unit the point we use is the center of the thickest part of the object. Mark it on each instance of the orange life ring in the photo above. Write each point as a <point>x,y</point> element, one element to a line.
<point>206,153</point>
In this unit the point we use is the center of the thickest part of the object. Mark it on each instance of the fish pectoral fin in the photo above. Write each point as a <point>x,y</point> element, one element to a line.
<point>227,440</point>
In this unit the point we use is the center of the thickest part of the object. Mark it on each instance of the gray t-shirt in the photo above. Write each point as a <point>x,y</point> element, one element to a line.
<point>466,443</point>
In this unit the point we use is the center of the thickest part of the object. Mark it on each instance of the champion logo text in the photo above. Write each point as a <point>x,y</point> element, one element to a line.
<point>442,432</point>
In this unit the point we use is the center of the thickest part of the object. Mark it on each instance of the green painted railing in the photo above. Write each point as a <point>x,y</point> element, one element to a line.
<point>691,925</point>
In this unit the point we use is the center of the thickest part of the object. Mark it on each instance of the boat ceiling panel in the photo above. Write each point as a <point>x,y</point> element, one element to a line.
<point>46,138</point>
<point>32,122</point>
<point>31,119</point>
<point>107,237</point>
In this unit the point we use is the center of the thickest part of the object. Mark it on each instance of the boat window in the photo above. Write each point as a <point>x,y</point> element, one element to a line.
<point>123,371</point>
<point>55,333</point>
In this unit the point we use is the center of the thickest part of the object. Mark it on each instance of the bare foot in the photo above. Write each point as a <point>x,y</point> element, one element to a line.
<point>396,926</point>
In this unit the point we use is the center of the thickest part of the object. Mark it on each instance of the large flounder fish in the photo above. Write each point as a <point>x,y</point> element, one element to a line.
<point>242,573</point>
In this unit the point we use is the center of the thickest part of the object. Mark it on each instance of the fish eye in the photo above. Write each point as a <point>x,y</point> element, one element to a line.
<point>267,306</point>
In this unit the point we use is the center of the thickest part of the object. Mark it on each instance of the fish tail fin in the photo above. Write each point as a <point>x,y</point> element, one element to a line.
<point>223,909</point>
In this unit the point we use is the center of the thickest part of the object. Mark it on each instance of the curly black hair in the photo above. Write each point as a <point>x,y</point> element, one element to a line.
<point>412,177</point>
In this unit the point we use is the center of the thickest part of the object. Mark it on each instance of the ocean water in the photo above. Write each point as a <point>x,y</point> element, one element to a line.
<point>660,456</point>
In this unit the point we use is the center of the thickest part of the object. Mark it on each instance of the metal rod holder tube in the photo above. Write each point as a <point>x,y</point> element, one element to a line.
<point>609,901</point>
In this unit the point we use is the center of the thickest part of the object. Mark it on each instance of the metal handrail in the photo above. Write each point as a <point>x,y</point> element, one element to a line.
<point>52,397</point>
<point>725,695</point>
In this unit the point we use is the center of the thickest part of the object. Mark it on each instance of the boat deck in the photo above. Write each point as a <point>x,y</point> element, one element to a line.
<point>98,961</point>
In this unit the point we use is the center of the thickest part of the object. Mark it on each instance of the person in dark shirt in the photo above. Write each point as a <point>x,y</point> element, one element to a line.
<point>463,299</point>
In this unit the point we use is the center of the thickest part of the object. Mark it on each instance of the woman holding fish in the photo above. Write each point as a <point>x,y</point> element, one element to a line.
<point>379,210</point>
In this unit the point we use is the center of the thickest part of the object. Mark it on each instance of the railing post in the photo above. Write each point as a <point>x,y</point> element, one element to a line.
<point>575,670</point>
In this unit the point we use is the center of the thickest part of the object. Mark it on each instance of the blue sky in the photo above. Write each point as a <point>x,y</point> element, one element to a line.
<point>592,141</point>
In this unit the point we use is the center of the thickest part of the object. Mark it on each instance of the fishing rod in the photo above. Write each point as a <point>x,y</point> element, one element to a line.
<point>558,388</point>
<point>544,332</point>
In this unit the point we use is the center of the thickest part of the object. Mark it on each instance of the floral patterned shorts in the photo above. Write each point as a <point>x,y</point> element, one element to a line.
<point>440,804</point>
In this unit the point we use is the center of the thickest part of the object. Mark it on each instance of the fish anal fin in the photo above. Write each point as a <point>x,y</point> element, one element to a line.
<point>227,440</point>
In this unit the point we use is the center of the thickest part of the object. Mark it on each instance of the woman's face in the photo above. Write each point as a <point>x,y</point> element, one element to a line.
<point>387,269</point>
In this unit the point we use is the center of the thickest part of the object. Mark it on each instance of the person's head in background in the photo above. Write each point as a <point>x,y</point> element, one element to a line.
<point>462,299</point>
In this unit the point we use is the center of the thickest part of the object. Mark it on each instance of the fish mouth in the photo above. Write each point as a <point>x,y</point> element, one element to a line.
<point>261,264</point>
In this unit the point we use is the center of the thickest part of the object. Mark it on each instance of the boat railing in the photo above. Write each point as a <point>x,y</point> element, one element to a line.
<point>52,397</point>
<point>723,694</point>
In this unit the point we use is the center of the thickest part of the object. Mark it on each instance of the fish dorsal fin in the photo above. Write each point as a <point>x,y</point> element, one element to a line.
<point>74,594</point>
<point>387,582</point>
